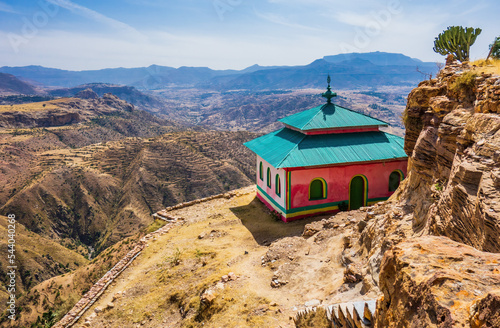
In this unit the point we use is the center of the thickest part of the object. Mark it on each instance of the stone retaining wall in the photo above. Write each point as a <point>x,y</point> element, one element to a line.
<point>99,287</point>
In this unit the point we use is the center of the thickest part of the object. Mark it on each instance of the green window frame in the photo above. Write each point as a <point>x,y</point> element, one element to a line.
<point>278,184</point>
<point>261,171</point>
<point>317,189</point>
<point>269,177</point>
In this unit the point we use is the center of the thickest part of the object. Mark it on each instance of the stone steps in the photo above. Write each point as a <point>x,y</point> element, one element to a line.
<point>347,315</point>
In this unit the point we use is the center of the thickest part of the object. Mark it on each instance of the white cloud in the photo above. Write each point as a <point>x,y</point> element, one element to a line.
<point>352,18</point>
<point>311,32</point>
<point>78,51</point>
<point>7,8</point>
<point>280,20</point>
<point>94,15</point>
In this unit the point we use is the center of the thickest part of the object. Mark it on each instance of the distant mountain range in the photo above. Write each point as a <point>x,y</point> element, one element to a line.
<point>348,71</point>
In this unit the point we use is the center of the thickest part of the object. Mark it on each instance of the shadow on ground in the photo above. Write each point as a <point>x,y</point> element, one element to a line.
<point>265,229</point>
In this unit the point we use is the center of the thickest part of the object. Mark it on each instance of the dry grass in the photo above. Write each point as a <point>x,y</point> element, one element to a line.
<point>174,277</point>
<point>61,293</point>
<point>491,66</point>
<point>165,284</point>
<point>37,258</point>
<point>465,82</point>
<point>36,106</point>
<point>313,319</point>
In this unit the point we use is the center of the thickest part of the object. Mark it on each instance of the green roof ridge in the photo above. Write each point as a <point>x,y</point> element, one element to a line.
<point>319,111</point>
<point>334,117</point>
<point>352,110</point>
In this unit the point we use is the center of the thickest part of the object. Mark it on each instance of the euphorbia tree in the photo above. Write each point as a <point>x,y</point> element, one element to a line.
<point>494,49</point>
<point>456,40</point>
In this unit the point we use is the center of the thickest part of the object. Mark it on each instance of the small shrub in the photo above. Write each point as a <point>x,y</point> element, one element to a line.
<point>464,82</point>
<point>316,319</point>
<point>199,253</point>
<point>404,117</point>
<point>176,258</point>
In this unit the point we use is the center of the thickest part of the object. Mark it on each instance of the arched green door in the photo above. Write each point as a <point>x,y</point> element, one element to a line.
<point>357,193</point>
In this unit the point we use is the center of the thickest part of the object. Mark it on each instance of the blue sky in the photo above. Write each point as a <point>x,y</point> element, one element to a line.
<point>228,34</point>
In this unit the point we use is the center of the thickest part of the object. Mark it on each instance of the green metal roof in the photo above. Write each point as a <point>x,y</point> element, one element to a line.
<point>289,148</point>
<point>330,116</point>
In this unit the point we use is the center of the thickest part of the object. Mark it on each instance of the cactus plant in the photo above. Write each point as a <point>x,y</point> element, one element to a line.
<point>456,40</point>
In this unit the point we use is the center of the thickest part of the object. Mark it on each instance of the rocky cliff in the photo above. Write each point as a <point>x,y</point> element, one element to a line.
<point>453,139</point>
<point>452,191</point>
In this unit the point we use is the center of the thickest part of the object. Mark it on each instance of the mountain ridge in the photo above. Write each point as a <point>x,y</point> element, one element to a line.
<point>11,85</point>
<point>251,78</point>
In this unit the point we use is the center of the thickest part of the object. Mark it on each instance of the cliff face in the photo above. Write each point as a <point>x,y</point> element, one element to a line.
<point>453,139</point>
<point>452,192</point>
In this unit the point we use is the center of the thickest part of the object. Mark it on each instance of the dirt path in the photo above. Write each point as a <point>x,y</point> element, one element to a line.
<point>181,278</point>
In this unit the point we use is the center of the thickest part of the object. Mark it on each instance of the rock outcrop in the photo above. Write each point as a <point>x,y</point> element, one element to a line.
<point>64,111</point>
<point>431,249</point>
<point>87,94</point>
<point>48,118</point>
<point>436,282</point>
<point>453,139</point>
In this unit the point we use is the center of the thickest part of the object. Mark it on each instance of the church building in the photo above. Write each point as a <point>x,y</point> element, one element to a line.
<point>327,158</point>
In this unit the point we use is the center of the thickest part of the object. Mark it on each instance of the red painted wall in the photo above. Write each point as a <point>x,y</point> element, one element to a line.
<point>338,179</point>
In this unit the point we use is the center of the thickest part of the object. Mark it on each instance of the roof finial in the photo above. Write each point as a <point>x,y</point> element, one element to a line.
<point>329,94</point>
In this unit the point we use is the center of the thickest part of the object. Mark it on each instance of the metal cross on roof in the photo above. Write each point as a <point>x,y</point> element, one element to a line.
<point>329,94</point>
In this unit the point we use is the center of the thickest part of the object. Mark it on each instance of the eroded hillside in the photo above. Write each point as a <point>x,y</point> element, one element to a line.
<point>88,173</point>
<point>259,111</point>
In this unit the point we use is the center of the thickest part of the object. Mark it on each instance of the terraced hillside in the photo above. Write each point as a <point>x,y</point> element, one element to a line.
<point>87,183</point>
<point>100,193</point>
